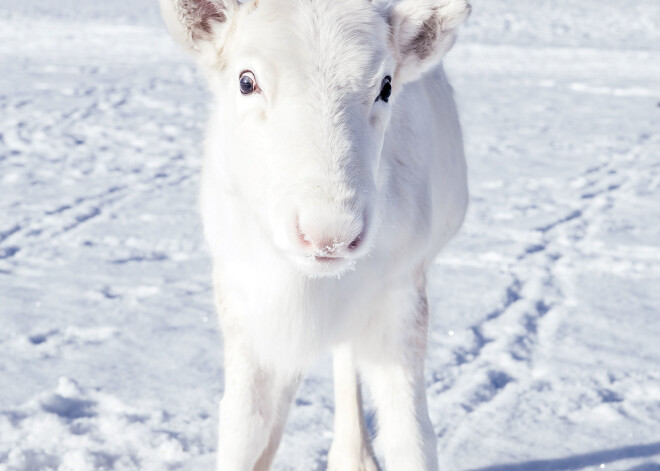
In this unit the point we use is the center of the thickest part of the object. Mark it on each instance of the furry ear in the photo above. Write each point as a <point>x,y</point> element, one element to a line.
<point>195,22</point>
<point>423,31</point>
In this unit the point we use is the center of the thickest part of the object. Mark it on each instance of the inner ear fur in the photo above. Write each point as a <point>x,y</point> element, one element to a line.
<point>423,31</point>
<point>193,22</point>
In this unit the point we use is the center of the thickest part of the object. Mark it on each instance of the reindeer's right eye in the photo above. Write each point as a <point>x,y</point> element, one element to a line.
<point>247,83</point>
<point>385,89</point>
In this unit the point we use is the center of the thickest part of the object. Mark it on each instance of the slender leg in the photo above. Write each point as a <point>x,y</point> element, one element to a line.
<point>393,368</point>
<point>350,450</point>
<point>286,396</point>
<point>251,411</point>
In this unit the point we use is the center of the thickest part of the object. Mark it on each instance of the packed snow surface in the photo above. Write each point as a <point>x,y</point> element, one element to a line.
<point>545,343</point>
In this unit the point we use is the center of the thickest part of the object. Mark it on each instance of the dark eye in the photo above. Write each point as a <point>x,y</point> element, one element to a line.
<point>385,89</point>
<point>247,83</point>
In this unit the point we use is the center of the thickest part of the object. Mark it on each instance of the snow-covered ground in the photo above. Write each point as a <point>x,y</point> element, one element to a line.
<point>545,344</point>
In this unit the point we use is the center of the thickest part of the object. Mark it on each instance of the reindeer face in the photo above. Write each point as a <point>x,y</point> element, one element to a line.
<point>305,90</point>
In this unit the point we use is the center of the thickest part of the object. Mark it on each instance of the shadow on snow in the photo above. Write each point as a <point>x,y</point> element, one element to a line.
<point>585,460</point>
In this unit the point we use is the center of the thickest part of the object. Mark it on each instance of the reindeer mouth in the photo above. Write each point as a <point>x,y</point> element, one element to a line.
<point>328,258</point>
<point>323,264</point>
<point>334,253</point>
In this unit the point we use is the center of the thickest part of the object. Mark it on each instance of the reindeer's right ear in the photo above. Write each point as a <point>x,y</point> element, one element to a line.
<point>195,22</point>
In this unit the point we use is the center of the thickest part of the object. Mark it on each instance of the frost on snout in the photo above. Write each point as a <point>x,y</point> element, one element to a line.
<point>328,241</point>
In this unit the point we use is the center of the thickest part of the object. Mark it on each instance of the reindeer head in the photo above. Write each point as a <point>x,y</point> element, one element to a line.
<point>305,90</point>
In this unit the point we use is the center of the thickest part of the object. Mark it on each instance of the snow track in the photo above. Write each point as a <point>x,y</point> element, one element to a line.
<point>543,352</point>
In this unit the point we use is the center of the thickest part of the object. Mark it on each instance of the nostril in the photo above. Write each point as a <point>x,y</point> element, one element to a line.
<point>304,240</point>
<point>357,242</point>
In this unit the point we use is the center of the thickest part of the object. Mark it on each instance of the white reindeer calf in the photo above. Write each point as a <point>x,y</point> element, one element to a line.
<point>333,174</point>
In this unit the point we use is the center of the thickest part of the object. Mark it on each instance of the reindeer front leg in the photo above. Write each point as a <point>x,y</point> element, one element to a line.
<point>392,365</point>
<point>350,450</point>
<point>252,411</point>
<point>283,405</point>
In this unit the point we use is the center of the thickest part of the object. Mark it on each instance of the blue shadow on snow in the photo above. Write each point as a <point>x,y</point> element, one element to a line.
<point>586,460</point>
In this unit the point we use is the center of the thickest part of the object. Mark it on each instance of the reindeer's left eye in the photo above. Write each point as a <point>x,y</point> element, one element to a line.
<point>248,83</point>
<point>385,89</point>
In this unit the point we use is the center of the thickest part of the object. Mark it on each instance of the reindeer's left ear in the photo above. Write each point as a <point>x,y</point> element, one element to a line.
<point>423,31</point>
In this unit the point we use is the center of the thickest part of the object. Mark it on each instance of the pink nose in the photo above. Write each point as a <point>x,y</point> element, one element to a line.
<point>331,237</point>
